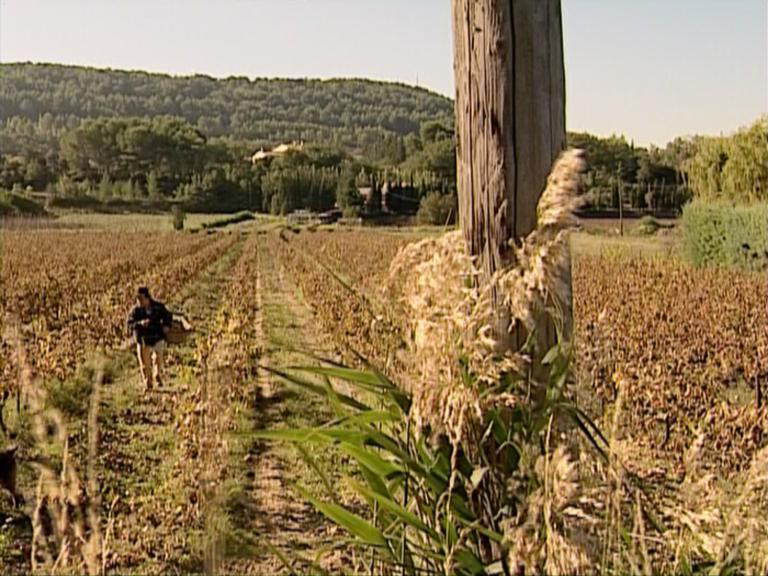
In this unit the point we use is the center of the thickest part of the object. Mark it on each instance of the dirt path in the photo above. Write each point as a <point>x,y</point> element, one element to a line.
<point>148,451</point>
<point>281,523</point>
<point>188,489</point>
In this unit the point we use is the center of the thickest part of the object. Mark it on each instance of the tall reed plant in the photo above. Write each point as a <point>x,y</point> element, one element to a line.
<point>458,461</point>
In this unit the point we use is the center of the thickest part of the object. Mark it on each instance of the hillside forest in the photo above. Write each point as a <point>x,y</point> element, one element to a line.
<point>88,137</point>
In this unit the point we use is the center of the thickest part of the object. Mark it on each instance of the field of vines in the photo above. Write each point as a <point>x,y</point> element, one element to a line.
<point>342,275</point>
<point>70,291</point>
<point>65,299</point>
<point>687,348</point>
<point>672,359</point>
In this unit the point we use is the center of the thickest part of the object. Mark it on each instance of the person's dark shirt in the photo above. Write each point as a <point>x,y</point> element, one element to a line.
<point>158,317</point>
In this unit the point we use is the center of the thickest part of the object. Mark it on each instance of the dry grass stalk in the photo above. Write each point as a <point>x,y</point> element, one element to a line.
<point>66,521</point>
<point>710,521</point>
<point>721,520</point>
<point>546,537</point>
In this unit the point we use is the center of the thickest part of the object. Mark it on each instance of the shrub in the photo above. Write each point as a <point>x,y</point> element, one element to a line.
<point>648,226</point>
<point>722,234</point>
<point>13,204</point>
<point>437,209</point>
<point>177,212</point>
<point>73,396</point>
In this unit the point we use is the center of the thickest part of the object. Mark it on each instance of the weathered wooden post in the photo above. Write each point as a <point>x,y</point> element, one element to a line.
<point>510,118</point>
<point>620,192</point>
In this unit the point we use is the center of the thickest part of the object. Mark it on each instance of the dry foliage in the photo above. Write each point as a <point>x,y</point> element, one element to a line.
<point>66,521</point>
<point>70,291</point>
<point>451,316</point>
<point>667,358</point>
<point>686,343</point>
<point>69,294</point>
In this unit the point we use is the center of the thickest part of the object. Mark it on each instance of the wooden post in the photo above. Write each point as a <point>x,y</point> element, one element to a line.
<point>510,118</point>
<point>620,192</point>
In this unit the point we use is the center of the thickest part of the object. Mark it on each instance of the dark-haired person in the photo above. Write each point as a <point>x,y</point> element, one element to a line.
<point>149,320</point>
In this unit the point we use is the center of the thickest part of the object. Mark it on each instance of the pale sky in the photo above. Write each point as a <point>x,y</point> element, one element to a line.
<point>650,69</point>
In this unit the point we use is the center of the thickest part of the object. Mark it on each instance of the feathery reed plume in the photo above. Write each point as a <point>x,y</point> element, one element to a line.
<point>543,538</point>
<point>461,372</point>
<point>456,357</point>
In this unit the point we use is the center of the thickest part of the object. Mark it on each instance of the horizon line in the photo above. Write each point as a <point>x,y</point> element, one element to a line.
<point>182,75</point>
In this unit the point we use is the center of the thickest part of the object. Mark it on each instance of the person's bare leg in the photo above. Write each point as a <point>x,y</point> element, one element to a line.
<point>145,358</point>
<point>157,362</point>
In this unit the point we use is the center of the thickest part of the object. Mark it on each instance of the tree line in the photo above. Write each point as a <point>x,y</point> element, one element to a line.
<point>731,167</point>
<point>132,136</point>
<point>166,159</point>
<point>734,167</point>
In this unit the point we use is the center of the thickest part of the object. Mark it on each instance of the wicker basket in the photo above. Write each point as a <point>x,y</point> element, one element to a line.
<point>179,331</point>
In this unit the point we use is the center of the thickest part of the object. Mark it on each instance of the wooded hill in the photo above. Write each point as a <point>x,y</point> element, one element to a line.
<point>40,101</point>
<point>77,131</point>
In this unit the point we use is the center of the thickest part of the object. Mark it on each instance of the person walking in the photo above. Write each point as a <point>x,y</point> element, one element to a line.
<point>149,320</point>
